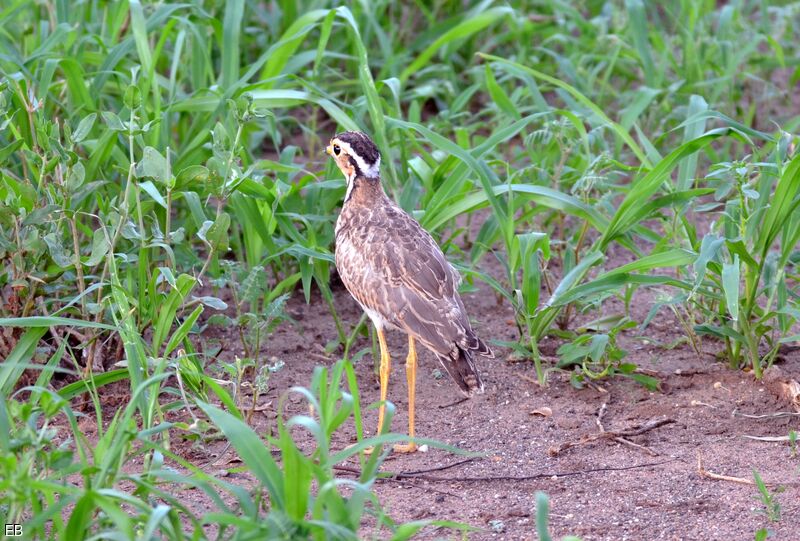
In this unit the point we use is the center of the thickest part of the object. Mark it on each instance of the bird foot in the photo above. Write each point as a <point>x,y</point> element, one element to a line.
<point>398,448</point>
<point>408,448</point>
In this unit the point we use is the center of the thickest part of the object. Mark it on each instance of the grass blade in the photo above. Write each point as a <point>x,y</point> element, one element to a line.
<point>462,30</point>
<point>621,132</point>
<point>231,34</point>
<point>13,366</point>
<point>253,452</point>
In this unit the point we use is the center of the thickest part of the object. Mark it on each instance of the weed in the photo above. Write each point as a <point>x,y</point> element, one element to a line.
<point>772,508</point>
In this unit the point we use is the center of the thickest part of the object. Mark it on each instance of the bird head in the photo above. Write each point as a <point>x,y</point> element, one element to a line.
<point>356,155</point>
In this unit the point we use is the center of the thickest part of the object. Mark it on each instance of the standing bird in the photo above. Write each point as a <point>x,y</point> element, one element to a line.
<point>399,276</point>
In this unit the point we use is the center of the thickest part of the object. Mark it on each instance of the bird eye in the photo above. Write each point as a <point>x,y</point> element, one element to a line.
<point>336,149</point>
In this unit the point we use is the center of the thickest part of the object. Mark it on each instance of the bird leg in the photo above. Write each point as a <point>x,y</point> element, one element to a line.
<point>384,377</point>
<point>411,378</point>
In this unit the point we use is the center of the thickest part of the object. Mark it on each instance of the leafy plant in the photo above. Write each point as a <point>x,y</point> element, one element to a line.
<point>257,313</point>
<point>745,260</point>
<point>338,505</point>
<point>772,508</point>
<point>597,355</point>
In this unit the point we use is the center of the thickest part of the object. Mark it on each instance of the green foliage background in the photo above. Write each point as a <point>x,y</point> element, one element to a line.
<point>153,153</point>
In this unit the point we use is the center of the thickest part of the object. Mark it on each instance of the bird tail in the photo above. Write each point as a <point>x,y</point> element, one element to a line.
<point>482,349</point>
<point>460,364</point>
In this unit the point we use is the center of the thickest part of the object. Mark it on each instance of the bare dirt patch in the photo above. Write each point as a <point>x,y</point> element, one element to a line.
<point>646,487</point>
<point>599,488</point>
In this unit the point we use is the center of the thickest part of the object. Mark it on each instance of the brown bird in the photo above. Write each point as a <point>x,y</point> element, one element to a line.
<point>399,276</point>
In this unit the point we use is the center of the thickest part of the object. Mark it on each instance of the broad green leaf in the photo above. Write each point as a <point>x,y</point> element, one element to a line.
<point>153,165</point>
<point>376,113</point>
<point>613,282</point>
<point>113,121</point>
<point>84,127</point>
<point>139,30</point>
<point>81,516</point>
<point>691,130</point>
<point>212,302</point>
<point>478,167</point>
<point>597,347</point>
<point>51,321</point>
<point>100,247</point>
<point>738,248</point>
<point>730,285</point>
<point>76,388</point>
<point>192,177</point>
<point>168,308</point>
<point>254,453</point>
<point>153,192</point>
<point>290,41</point>
<point>217,234</point>
<point>10,149</point>
<point>639,26</point>
<point>642,99</point>
<point>58,251</point>
<point>709,251</point>
<point>721,331</point>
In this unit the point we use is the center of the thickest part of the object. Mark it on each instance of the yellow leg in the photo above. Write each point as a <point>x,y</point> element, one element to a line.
<point>411,378</point>
<point>384,376</point>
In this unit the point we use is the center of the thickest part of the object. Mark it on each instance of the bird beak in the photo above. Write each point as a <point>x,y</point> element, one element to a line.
<point>329,150</point>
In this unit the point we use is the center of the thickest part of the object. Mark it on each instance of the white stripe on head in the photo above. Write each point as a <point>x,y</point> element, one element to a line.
<point>369,171</point>
<point>350,181</point>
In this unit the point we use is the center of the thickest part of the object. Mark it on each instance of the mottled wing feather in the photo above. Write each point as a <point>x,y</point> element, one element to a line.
<point>395,269</point>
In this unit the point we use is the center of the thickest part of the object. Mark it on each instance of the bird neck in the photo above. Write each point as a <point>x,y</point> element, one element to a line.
<point>365,190</point>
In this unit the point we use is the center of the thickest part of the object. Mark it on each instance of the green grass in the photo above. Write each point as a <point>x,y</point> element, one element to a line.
<point>155,154</point>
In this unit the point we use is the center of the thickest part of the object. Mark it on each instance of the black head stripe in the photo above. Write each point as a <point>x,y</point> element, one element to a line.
<point>354,163</point>
<point>361,145</point>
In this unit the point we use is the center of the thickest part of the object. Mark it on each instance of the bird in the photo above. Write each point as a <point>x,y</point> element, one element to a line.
<point>399,275</point>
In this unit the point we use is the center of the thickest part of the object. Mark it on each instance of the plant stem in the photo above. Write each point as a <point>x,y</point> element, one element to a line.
<point>537,359</point>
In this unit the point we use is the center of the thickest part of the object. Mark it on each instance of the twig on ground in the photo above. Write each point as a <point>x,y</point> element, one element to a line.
<point>417,473</point>
<point>703,472</point>
<point>692,371</point>
<point>629,443</point>
<point>766,415</point>
<point>705,404</point>
<point>767,438</point>
<point>434,478</point>
<point>599,417</point>
<point>620,436</point>
<point>641,429</point>
<point>406,475</point>
<point>456,403</point>
<point>357,473</point>
<point>319,357</point>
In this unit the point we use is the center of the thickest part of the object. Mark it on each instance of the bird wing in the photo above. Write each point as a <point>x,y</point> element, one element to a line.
<point>399,275</point>
<point>412,285</point>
